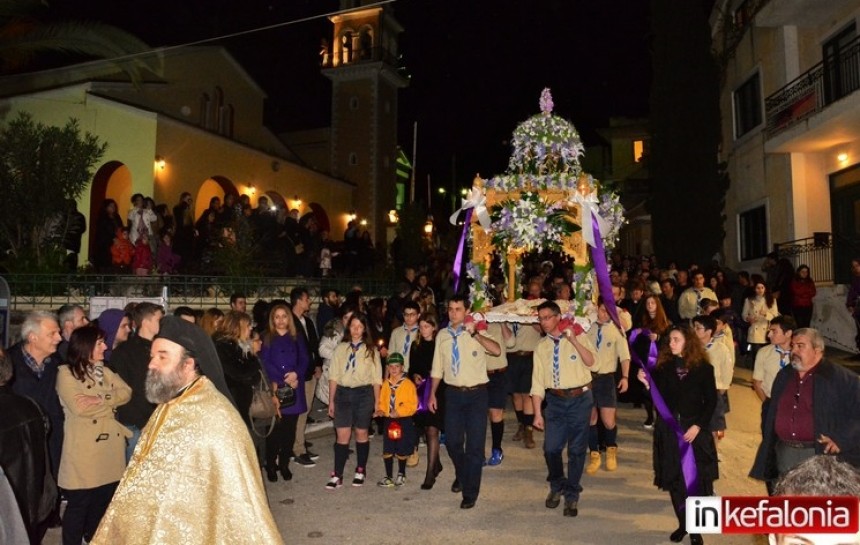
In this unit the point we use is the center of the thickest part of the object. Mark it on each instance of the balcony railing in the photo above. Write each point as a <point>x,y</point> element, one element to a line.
<point>346,56</point>
<point>49,291</point>
<point>816,252</point>
<point>814,90</point>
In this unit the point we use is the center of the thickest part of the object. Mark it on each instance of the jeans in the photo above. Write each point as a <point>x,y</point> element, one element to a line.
<point>84,512</point>
<point>566,421</point>
<point>465,435</point>
<point>131,442</point>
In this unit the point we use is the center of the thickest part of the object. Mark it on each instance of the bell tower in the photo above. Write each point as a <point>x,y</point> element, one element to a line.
<point>361,60</point>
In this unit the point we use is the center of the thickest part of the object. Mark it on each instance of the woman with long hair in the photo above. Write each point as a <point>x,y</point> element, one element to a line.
<point>241,366</point>
<point>211,320</point>
<point>355,378</point>
<point>802,293</point>
<point>93,458</point>
<point>654,319</point>
<point>686,383</point>
<point>420,363</point>
<point>285,359</point>
<point>759,309</point>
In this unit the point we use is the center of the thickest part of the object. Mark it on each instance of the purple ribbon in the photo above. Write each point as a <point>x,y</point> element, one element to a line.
<point>598,256</point>
<point>424,390</point>
<point>458,259</point>
<point>685,449</point>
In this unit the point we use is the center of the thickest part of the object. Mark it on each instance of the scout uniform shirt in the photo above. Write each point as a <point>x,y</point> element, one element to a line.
<point>611,347</point>
<point>401,341</point>
<point>526,337</point>
<point>769,361</point>
<point>723,363</point>
<point>494,363</point>
<point>471,369</point>
<point>572,372</point>
<point>352,366</point>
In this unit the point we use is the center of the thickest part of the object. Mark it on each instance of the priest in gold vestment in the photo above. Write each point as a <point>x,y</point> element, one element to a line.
<point>194,476</point>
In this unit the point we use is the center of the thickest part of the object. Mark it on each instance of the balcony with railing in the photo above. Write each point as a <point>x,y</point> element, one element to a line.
<point>816,252</point>
<point>820,87</point>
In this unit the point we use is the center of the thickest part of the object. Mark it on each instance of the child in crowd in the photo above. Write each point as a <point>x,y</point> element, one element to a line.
<point>122,251</point>
<point>398,401</point>
<point>167,259</point>
<point>142,261</point>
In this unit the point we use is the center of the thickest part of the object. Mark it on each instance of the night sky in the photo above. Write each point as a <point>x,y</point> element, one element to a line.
<point>477,66</point>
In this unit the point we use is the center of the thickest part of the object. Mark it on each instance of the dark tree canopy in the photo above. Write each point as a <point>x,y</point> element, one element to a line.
<point>689,188</point>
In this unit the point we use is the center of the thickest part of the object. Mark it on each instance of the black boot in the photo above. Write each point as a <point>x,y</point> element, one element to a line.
<point>271,474</point>
<point>286,474</point>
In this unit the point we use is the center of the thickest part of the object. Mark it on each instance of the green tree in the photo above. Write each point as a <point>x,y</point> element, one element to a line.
<point>688,195</point>
<point>23,36</point>
<point>41,168</point>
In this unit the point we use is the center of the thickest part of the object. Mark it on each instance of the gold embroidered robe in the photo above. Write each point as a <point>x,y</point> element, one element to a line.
<point>193,478</point>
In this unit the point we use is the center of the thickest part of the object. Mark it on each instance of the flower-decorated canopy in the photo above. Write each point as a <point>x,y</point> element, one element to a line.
<point>543,202</point>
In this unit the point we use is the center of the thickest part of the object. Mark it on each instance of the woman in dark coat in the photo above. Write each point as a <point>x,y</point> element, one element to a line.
<point>420,363</point>
<point>241,367</point>
<point>285,359</point>
<point>685,380</point>
<point>107,224</point>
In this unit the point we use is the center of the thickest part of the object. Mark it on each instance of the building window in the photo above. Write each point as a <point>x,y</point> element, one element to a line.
<point>353,103</point>
<point>638,150</point>
<point>747,99</point>
<point>353,159</point>
<point>752,226</point>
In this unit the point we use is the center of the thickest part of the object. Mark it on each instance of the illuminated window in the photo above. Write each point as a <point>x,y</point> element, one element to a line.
<point>638,150</point>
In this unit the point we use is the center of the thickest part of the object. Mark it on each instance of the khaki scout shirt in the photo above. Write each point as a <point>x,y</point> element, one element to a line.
<point>473,359</point>
<point>397,343</point>
<point>573,373</point>
<point>613,347</point>
<point>501,361</point>
<point>366,372</point>
<point>526,337</point>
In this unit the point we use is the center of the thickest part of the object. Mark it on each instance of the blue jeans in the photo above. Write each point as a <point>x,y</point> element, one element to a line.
<point>131,442</point>
<point>465,434</point>
<point>566,422</point>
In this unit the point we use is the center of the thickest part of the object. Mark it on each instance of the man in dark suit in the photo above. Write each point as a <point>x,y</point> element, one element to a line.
<point>301,303</point>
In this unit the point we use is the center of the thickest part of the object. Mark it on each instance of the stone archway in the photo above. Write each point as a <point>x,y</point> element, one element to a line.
<point>216,186</point>
<point>321,217</point>
<point>111,181</point>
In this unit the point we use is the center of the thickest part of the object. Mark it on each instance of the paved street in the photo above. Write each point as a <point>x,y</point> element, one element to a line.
<point>616,508</point>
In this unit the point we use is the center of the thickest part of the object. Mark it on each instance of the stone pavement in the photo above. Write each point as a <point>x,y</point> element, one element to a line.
<point>615,508</point>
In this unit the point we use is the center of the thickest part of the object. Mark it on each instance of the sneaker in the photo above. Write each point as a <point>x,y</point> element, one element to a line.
<point>386,482</point>
<point>334,482</point>
<point>648,425</point>
<point>371,432</point>
<point>496,457</point>
<point>313,456</point>
<point>358,480</point>
<point>400,480</point>
<point>304,460</point>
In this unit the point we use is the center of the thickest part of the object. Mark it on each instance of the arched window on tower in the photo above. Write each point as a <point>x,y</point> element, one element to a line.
<point>346,46</point>
<point>218,106</point>
<point>205,110</point>
<point>365,43</point>
<point>226,118</point>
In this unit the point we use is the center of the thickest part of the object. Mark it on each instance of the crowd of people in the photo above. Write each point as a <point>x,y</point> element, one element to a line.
<point>410,368</point>
<point>155,239</point>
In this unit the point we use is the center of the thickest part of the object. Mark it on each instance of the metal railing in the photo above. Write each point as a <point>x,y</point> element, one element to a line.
<point>815,252</point>
<point>49,291</point>
<point>814,90</point>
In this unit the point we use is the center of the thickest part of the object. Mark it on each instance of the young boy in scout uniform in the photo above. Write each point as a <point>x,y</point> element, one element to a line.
<point>460,359</point>
<point>611,347</point>
<point>562,374</point>
<point>398,401</point>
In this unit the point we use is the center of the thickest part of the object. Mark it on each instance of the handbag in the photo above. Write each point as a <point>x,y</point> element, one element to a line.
<point>286,395</point>
<point>262,407</point>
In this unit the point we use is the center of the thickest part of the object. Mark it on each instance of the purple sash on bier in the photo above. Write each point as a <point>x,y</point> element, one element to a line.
<point>424,390</point>
<point>601,271</point>
<point>685,449</point>
<point>461,247</point>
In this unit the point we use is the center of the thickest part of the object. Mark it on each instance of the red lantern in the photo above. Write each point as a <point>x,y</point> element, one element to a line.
<point>395,431</point>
